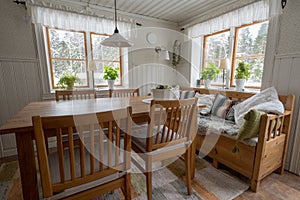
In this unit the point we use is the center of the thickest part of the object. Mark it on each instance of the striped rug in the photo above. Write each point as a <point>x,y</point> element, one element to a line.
<point>168,183</point>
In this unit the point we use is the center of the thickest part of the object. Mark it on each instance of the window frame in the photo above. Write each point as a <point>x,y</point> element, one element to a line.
<point>204,50</point>
<point>88,52</point>
<point>120,59</point>
<point>232,55</point>
<point>51,58</point>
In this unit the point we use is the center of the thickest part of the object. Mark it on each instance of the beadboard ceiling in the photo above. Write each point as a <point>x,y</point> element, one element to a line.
<point>181,12</point>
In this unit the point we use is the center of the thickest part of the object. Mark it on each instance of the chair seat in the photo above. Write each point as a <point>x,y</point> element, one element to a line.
<point>87,186</point>
<point>139,140</point>
<point>54,161</point>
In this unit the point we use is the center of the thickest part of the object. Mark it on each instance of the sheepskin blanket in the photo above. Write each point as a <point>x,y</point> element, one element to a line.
<point>267,101</point>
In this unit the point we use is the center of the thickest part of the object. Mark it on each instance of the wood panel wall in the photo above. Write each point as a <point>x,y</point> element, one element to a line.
<point>19,85</point>
<point>286,78</point>
<point>146,76</point>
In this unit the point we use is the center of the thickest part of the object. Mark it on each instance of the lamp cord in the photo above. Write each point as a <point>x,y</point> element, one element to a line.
<point>116,29</point>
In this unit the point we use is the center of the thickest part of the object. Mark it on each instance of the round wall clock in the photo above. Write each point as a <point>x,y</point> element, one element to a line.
<point>151,38</point>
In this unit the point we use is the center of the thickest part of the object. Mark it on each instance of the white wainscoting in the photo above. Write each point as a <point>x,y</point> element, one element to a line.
<point>286,78</point>
<point>19,85</point>
<point>146,76</point>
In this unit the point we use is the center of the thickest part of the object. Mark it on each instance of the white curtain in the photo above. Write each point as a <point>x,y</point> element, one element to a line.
<point>79,22</point>
<point>258,11</point>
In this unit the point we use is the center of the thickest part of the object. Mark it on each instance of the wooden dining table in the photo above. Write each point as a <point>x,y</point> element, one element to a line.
<point>21,125</point>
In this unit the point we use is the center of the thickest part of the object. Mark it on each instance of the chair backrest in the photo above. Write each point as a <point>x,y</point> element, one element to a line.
<point>171,122</point>
<point>74,94</point>
<point>101,152</point>
<point>124,92</point>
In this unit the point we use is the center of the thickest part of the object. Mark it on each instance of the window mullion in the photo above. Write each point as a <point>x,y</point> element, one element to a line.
<point>229,75</point>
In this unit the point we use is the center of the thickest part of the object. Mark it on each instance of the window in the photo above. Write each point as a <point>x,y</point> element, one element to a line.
<point>249,45</point>
<point>216,47</point>
<point>104,56</point>
<point>69,53</point>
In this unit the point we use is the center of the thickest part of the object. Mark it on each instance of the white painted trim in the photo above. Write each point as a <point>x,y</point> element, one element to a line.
<point>288,55</point>
<point>32,60</point>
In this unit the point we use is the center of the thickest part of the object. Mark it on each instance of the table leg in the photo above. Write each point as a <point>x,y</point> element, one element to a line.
<point>27,166</point>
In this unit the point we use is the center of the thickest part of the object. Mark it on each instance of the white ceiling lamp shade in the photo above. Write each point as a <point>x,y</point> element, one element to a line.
<point>116,39</point>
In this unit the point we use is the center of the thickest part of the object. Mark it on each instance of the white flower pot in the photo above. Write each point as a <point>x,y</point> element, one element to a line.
<point>239,84</point>
<point>110,84</point>
<point>207,83</point>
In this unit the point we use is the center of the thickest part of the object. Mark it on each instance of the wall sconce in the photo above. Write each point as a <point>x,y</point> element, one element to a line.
<point>283,3</point>
<point>164,53</point>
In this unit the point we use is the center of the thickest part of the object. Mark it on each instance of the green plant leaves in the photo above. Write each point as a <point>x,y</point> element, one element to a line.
<point>242,71</point>
<point>210,72</point>
<point>110,73</point>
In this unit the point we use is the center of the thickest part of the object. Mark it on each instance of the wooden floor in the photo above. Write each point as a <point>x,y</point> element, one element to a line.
<point>273,187</point>
<point>276,187</point>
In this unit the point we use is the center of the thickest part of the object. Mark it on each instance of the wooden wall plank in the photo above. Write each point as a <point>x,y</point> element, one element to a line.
<point>21,89</point>
<point>3,102</point>
<point>286,80</point>
<point>33,82</point>
<point>19,84</point>
<point>10,86</point>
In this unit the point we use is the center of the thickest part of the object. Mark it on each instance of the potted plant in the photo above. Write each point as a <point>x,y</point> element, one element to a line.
<point>242,73</point>
<point>110,74</point>
<point>68,80</point>
<point>209,73</point>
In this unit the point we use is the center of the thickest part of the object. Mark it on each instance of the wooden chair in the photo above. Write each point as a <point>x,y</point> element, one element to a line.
<point>99,165</point>
<point>124,92</point>
<point>169,134</point>
<point>74,94</point>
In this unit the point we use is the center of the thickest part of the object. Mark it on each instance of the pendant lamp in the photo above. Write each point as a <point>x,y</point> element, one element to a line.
<point>116,40</point>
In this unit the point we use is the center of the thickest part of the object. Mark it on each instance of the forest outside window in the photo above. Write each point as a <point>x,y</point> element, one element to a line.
<point>248,43</point>
<point>70,53</point>
<point>67,55</point>
<point>216,47</point>
<point>250,46</point>
<point>102,56</point>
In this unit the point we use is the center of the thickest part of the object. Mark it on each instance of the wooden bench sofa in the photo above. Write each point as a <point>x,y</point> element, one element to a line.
<point>269,153</point>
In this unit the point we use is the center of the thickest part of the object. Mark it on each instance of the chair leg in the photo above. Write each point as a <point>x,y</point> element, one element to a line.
<point>127,188</point>
<point>188,170</point>
<point>149,184</point>
<point>193,159</point>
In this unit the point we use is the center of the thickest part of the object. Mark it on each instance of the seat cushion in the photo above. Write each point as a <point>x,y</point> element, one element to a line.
<point>207,100</point>
<point>207,124</point>
<point>186,94</point>
<point>221,106</point>
<point>250,127</point>
<point>54,160</point>
<point>139,136</point>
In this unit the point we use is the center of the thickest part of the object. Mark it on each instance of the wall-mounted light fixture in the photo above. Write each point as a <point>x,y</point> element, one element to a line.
<point>22,3</point>
<point>283,3</point>
<point>164,53</point>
